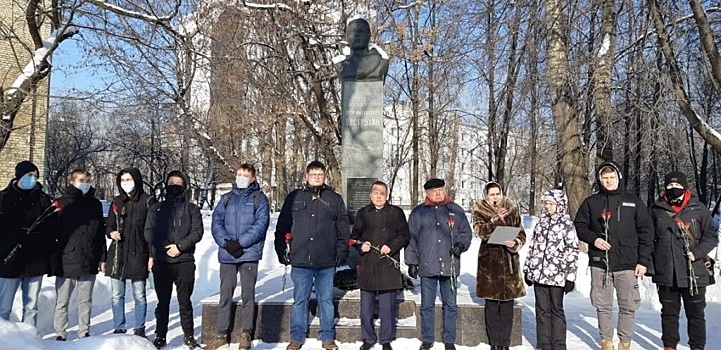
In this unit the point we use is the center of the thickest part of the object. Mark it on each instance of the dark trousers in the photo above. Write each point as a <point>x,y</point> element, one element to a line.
<point>550,318</point>
<point>694,306</point>
<point>387,312</point>
<point>499,320</point>
<point>183,276</point>
<point>228,280</point>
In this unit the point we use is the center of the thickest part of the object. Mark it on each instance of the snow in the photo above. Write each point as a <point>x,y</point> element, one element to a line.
<point>581,316</point>
<point>605,46</point>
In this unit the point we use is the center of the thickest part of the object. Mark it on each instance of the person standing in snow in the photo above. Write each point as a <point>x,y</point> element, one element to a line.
<point>240,222</point>
<point>550,268</point>
<point>172,229</point>
<point>22,202</point>
<point>384,226</point>
<point>128,256</point>
<point>683,238</point>
<point>619,232</point>
<point>498,278</point>
<point>439,233</point>
<point>82,246</point>
<point>314,224</point>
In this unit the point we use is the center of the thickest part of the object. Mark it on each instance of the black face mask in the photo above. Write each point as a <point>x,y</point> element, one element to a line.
<point>174,190</point>
<point>673,193</point>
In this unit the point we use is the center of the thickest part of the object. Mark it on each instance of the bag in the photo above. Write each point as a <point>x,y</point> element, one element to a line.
<point>709,264</point>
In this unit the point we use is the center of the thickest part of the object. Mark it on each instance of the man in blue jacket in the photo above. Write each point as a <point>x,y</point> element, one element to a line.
<point>439,234</point>
<point>315,221</point>
<point>240,222</point>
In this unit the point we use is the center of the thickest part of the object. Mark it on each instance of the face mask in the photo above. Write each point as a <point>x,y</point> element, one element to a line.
<point>127,186</point>
<point>84,187</point>
<point>241,182</point>
<point>27,182</point>
<point>174,190</point>
<point>673,193</point>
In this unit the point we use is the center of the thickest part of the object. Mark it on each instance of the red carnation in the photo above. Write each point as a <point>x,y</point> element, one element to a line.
<point>115,209</point>
<point>287,237</point>
<point>58,207</point>
<point>606,214</point>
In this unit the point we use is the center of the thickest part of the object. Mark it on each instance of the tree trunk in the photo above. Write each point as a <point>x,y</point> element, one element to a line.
<point>602,81</point>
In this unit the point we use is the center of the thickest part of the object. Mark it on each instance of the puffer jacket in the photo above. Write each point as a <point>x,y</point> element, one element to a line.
<point>553,253</point>
<point>434,230</point>
<point>237,218</point>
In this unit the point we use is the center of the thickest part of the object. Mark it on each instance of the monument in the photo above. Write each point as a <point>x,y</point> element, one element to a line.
<point>362,68</point>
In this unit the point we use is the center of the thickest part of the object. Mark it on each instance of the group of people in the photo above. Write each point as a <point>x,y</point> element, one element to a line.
<point>67,238</point>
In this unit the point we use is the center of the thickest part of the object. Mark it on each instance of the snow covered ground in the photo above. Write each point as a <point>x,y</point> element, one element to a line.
<point>581,316</point>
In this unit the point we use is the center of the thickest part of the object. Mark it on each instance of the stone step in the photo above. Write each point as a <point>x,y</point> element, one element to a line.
<point>350,308</point>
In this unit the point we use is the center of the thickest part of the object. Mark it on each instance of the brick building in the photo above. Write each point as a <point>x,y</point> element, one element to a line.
<point>27,140</point>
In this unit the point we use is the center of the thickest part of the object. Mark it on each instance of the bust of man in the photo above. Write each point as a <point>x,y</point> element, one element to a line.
<point>365,62</point>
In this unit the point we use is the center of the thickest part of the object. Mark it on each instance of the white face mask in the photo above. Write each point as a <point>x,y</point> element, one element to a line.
<point>241,182</point>
<point>84,187</point>
<point>128,186</point>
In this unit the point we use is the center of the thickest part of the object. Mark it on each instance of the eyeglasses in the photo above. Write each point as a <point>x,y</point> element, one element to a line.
<point>316,175</point>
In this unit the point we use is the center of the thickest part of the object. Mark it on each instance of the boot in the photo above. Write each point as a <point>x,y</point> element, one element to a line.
<point>330,345</point>
<point>218,342</point>
<point>607,344</point>
<point>294,345</point>
<point>624,345</point>
<point>160,342</point>
<point>426,346</point>
<point>190,343</point>
<point>245,341</point>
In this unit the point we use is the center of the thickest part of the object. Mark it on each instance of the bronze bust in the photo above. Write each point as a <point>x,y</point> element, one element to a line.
<point>365,62</point>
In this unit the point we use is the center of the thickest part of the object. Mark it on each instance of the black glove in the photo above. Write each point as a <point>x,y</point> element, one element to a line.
<point>527,280</point>
<point>569,287</point>
<point>457,250</point>
<point>413,271</point>
<point>233,247</point>
<point>284,258</point>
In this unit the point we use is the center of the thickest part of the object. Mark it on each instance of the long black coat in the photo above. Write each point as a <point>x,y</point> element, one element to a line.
<point>385,226</point>
<point>127,215</point>
<point>669,256</point>
<point>81,242</point>
<point>18,210</point>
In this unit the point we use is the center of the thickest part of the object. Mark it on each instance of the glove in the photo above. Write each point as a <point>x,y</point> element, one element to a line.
<point>457,250</point>
<point>528,280</point>
<point>284,258</point>
<point>233,247</point>
<point>413,271</point>
<point>569,287</point>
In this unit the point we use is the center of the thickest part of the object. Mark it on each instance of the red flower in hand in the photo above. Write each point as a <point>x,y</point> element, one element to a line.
<point>353,242</point>
<point>288,236</point>
<point>58,207</point>
<point>606,214</point>
<point>115,209</point>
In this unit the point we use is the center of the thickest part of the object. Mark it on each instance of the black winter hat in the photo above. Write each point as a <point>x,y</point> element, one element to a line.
<point>433,183</point>
<point>675,176</point>
<point>24,167</point>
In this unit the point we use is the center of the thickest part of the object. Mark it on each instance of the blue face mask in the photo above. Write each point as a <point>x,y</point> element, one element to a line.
<point>84,187</point>
<point>241,182</point>
<point>27,182</point>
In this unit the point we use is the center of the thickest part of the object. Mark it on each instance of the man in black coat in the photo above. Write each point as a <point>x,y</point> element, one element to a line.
<point>384,227</point>
<point>316,220</point>
<point>22,202</point>
<point>683,239</point>
<point>128,256</point>
<point>619,232</point>
<point>81,244</point>
<point>172,229</point>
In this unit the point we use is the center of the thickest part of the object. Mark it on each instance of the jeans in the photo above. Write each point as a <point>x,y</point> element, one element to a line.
<point>429,286</point>
<point>84,290</point>
<point>118,302</point>
<point>30,287</point>
<point>304,279</point>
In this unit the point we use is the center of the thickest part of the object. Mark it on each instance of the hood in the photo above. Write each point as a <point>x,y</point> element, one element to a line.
<point>178,173</point>
<point>561,199</point>
<point>617,169</point>
<point>137,178</point>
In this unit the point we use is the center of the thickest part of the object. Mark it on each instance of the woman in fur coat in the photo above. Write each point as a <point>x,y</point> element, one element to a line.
<point>551,267</point>
<point>498,278</point>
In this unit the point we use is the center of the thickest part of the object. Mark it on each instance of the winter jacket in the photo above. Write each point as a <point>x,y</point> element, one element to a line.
<point>174,221</point>
<point>669,249</point>
<point>553,253</point>
<point>384,226</point>
<point>498,275</point>
<point>318,223</point>
<point>81,241</point>
<point>18,211</point>
<point>237,218</point>
<point>630,228</point>
<point>127,216</point>
<point>434,230</point>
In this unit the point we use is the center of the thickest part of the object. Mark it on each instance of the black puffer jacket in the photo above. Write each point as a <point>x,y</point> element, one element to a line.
<point>385,226</point>
<point>82,234</point>
<point>669,254</point>
<point>18,211</point>
<point>319,225</point>
<point>174,221</point>
<point>127,215</point>
<point>630,231</point>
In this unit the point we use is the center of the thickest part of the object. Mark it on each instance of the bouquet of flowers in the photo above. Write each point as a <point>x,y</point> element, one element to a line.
<point>684,228</point>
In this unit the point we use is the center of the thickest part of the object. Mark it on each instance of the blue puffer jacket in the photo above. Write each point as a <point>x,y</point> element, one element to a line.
<point>431,239</point>
<point>234,218</point>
